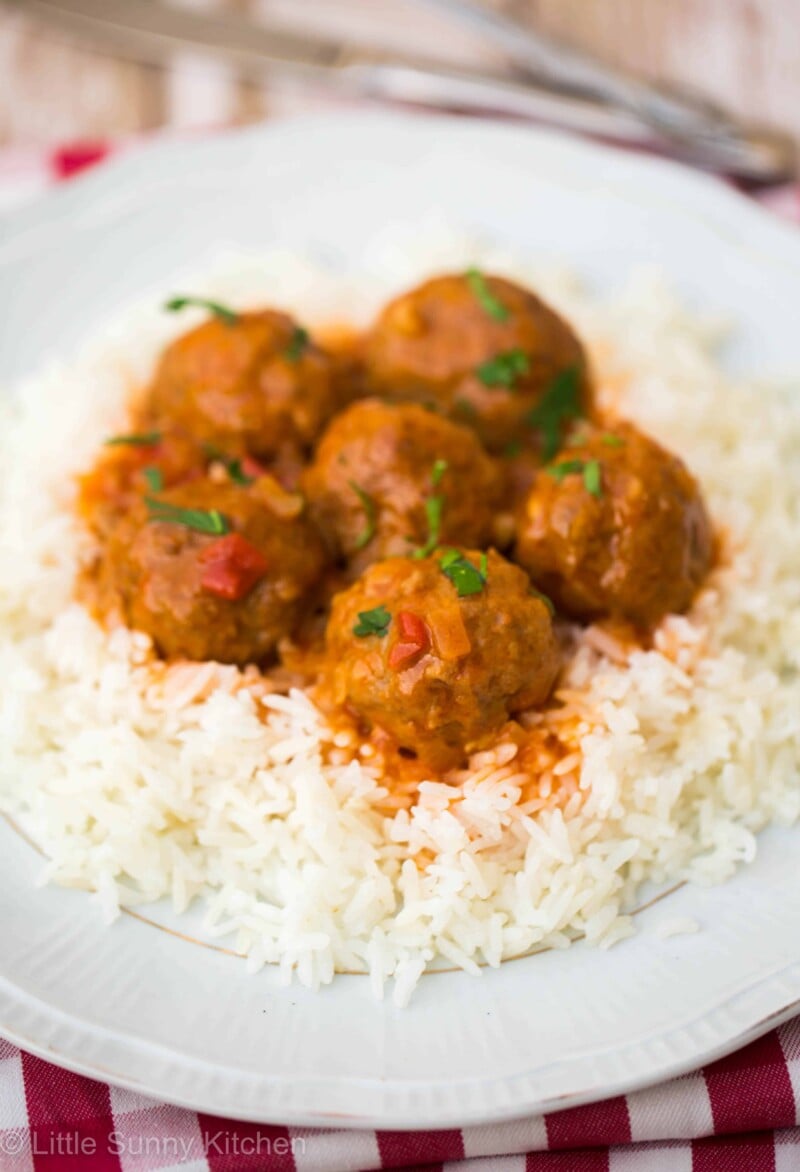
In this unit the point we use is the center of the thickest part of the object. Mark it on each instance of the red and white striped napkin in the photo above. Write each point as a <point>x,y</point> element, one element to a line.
<point>741,1114</point>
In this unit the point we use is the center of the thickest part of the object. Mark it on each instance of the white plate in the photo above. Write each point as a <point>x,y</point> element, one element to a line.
<point>156,1013</point>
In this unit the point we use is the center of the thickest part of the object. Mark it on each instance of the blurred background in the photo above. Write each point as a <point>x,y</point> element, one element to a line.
<point>59,87</point>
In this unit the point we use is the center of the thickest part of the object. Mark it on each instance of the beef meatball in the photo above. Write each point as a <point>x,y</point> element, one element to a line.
<point>480,348</point>
<point>388,478</point>
<point>438,652</point>
<point>257,384</point>
<point>214,571</point>
<point>615,527</point>
<point>133,464</point>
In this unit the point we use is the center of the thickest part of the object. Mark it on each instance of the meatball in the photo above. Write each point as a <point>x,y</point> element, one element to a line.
<point>134,464</point>
<point>615,527</point>
<point>438,652</point>
<point>482,349</point>
<point>227,593</point>
<point>387,478</point>
<point>257,384</point>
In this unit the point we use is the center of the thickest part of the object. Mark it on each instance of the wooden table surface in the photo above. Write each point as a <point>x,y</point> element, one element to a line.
<point>745,53</point>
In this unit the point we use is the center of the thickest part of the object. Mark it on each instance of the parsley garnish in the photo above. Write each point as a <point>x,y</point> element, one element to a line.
<point>229,316</point>
<point>372,622</point>
<point>593,478</point>
<point>564,468</point>
<point>543,598</point>
<point>439,469</point>
<point>434,506</point>
<point>370,512</point>
<point>201,520</point>
<point>493,306</point>
<point>154,479</point>
<point>590,469</point>
<point>504,369</point>
<point>297,344</point>
<point>433,514</point>
<point>613,441</point>
<point>560,402</point>
<point>236,472</point>
<point>466,578</point>
<point>513,448</point>
<point>231,465</point>
<point>145,439</point>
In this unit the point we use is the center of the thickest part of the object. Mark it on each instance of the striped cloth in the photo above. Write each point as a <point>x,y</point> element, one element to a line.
<point>741,1114</point>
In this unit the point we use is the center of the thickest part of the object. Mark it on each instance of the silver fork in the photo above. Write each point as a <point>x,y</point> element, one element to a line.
<point>540,79</point>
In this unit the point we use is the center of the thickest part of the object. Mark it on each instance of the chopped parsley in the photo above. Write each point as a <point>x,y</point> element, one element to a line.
<point>434,506</point>
<point>613,441</point>
<point>201,520</point>
<point>372,622</point>
<point>145,439</point>
<point>433,514</point>
<point>593,478</point>
<point>229,316</point>
<point>231,465</point>
<point>154,479</point>
<point>504,369</point>
<point>370,513</point>
<point>439,469</point>
<point>466,578</point>
<point>493,306</point>
<point>560,403</point>
<point>564,468</point>
<point>298,344</point>
<point>589,469</point>
<point>513,448</point>
<point>236,472</point>
<point>543,598</point>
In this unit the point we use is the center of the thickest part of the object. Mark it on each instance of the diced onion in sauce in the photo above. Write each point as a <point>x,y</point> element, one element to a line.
<point>450,636</point>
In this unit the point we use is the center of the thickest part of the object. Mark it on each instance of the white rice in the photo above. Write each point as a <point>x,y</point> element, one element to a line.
<point>676,926</point>
<point>141,783</point>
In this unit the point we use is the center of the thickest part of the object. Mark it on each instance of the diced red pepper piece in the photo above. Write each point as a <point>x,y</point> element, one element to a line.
<point>232,567</point>
<point>404,655</point>
<point>414,640</point>
<point>252,468</point>
<point>413,629</point>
